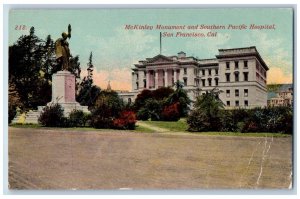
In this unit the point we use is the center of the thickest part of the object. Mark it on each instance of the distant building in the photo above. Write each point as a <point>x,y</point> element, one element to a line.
<point>239,73</point>
<point>283,96</point>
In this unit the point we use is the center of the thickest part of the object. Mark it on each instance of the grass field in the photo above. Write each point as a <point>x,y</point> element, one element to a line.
<point>53,158</point>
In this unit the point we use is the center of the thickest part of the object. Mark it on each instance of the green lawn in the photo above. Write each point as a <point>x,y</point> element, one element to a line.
<point>180,125</point>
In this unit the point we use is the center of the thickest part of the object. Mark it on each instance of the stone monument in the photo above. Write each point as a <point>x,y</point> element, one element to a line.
<point>63,82</point>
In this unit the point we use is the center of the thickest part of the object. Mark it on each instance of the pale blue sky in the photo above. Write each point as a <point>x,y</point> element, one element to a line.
<point>116,49</point>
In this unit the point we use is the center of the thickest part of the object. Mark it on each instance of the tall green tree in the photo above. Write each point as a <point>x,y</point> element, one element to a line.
<point>25,63</point>
<point>88,92</point>
<point>180,96</point>
<point>207,114</point>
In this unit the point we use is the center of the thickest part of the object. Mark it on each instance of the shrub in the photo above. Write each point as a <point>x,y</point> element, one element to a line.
<point>12,112</point>
<point>198,122</point>
<point>126,121</point>
<point>76,118</point>
<point>143,114</point>
<point>171,112</point>
<point>233,120</point>
<point>270,119</point>
<point>108,106</point>
<point>53,116</point>
<point>154,108</point>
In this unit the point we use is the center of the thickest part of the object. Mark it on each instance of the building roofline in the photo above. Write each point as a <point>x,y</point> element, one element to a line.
<point>242,48</point>
<point>256,54</point>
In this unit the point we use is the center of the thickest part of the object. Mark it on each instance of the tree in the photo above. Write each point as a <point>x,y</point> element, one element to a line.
<point>141,98</point>
<point>88,92</point>
<point>180,96</point>
<point>108,107</point>
<point>207,113</point>
<point>25,63</point>
<point>13,101</point>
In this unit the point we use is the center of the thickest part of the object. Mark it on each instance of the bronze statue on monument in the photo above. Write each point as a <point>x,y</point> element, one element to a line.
<point>62,50</point>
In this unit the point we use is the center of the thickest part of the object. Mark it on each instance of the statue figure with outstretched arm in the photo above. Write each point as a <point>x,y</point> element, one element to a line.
<point>62,50</point>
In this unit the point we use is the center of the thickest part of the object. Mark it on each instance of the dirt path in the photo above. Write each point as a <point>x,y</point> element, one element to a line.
<point>64,159</point>
<point>154,128</point>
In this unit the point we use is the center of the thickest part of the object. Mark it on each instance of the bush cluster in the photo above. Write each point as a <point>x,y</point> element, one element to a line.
<point>53,116</point>
<point>162,104</point>
<point>268,119</point>
<point>126,121</point>
<point>110,112</point>
<point>209,115</point>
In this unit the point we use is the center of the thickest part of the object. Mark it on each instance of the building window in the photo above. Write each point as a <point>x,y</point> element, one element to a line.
<point>203,82</point>
<point>227,77</point>
<point>144,73</point>
<point>237,103</point>
<point>137,85</point>
<point>236,65</point>
<point>129,100</point>
<point>137,76</point>
<point>257,76</point>
<point>227,93</point>
<point>185,81</point>
<point>209,82</point>
<point>246,64</point>
<point>246,76</point>
<point>237,94</point>
<point>217,71</point>
<point>228,103</point>
<point>236,77</point>
<point>196,81</point>
<point>246,102</point>
<point>203,72</point>
<point>227,65</point>
<point>217,81</point>
<point>145,83</point>
<point>246,92</point>
<point>209,71</point>
<point>185,71</point>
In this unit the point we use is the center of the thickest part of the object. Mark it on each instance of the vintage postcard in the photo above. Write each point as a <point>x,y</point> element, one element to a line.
<point>151,99</point>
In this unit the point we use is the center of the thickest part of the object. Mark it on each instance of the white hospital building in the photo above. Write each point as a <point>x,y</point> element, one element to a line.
<point>239,73</point>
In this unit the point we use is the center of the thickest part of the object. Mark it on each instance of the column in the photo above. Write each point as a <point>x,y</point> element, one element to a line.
<point>156,79</point>
<point>166,78</point>
<point>175,75</point>
<point>147,79</point>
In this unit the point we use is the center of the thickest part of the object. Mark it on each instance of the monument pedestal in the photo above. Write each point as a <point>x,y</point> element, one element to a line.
<point>63,92</point>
